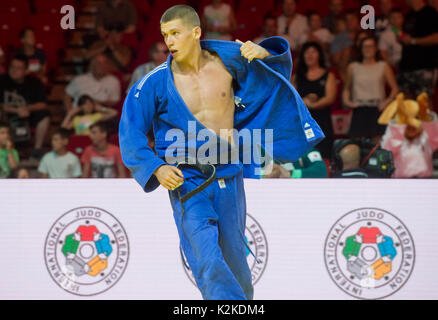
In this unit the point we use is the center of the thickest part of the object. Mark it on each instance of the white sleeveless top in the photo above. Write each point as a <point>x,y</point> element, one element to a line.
<point>368,83</point>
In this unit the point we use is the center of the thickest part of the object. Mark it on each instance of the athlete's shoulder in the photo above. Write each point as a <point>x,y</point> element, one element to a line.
<point>154,76</point>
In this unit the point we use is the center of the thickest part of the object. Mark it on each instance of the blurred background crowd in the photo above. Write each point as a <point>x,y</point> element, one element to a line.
<point>62,91</point>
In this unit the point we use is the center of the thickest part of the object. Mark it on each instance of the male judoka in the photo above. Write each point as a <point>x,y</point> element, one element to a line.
<point>216,86</point>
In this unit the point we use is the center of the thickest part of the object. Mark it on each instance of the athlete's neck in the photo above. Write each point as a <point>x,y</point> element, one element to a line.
<point>192,64</point>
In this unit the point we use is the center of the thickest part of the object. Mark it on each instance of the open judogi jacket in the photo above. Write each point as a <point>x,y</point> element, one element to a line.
<point>268,101</point>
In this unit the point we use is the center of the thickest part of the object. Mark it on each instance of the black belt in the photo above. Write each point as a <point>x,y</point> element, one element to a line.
<point>207,169</point>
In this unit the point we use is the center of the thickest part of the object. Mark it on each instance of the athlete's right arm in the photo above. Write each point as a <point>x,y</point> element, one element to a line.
<point>138,113</point>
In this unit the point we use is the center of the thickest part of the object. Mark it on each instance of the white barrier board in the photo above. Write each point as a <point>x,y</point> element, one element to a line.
<point>316,239</point>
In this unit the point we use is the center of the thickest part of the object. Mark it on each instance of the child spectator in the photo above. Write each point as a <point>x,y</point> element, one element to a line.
<point>8,155</point>
<point>101,159</point>
<point>60,163</point>
<point>87,113</point>
<point>35,56</point>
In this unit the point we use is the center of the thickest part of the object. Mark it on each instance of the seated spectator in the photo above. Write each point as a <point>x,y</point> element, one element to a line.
<point>420,50</point>
<point>317,86</point>
<point>22,173</point>
<point>364,91</point>
<point>336,10</point>
<point>341,47</point>
<point>309,165</point>
<point>158,54</point>
<point>219,21</point>
<point>60,163</point>
<point>269,28</point>
<point>98,83</point>
<point>118,54</point>
<point>36,57</point>
<point>389,46</point>
<point>8,155</point>
<point>23,100</point>
<point>350,158</point>
<point>383,20</point>
<point>291,24</point>
<point>316,32</point>
<point>101,159</point>
<point>88,112</point>
<point>118,15</point>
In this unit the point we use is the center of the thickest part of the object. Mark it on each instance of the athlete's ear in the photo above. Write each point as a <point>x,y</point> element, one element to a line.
<point>197,32</point>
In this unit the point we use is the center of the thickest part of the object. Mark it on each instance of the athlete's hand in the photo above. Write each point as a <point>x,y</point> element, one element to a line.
<point>251,51</point>
<point>169,177</point>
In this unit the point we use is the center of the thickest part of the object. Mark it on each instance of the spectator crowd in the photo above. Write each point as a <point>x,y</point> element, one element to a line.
<point>62,91</point>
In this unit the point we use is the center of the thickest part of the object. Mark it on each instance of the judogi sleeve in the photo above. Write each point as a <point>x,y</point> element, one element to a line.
<point>280,61</point>
<point>138,112</point>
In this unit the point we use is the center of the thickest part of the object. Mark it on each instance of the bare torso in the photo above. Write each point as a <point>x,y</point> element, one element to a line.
<point>209,94</point>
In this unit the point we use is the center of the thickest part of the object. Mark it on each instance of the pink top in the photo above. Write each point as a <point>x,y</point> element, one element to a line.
<point>412,159</point>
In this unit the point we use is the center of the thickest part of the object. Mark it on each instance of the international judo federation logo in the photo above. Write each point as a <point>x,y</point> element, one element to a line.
<point>369,253</point>
<point>255,239</point>
<point>86,251</point>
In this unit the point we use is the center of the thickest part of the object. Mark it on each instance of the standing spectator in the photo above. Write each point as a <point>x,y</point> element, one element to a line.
<point>219,21</point>
<point>336,10</point>
<point>317,86</point>
<point>60,163</point>
<point>316,32</point>
<point>117,15</point>
<point>382,21</point>
<point>420,50</point>
<point>158,54</point>
<point>269,29</point>
<point>364,91</point>
<point>101,159</point>
<point>8,155</point>
<point>87,113</point>
<point>98,83</point>
<point>36,57</point>
<point>291,24</point>
<point>341,47</point>
<point>389,46</point>
<point>23,100</point>
<point>118,54</point>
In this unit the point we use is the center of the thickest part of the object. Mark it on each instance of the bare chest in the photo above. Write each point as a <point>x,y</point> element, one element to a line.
<point>209,90</point>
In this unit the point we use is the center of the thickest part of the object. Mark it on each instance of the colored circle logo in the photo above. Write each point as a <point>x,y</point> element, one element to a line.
<point>369,253</point>
<point>256,242</point>
<point>86,251</point>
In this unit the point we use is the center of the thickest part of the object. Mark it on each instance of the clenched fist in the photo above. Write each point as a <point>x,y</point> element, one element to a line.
<point>251,51</point>
<point>169,177</point>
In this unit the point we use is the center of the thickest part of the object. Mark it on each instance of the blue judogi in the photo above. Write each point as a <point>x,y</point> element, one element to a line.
<point>211,230</point>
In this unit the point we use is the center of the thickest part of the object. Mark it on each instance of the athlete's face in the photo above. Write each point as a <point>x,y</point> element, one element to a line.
<point>180,39</point>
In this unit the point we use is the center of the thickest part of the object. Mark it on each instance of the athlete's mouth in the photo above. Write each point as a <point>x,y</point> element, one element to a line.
<point>173,52</point>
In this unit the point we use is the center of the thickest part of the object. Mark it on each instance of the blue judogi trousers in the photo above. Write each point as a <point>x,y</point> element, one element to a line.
<point>211,233</point>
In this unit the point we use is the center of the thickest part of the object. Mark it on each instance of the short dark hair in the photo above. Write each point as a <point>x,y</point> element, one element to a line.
<point>101,125</point>
<point>23,32</point>
<point>21,57</point>
<point>311,13</point>
<point>302,67</point>
<point>396,10</point>
<point>4,125</point>
<point>83,99</point>
<point>186,13</point>
<point>64,133</point>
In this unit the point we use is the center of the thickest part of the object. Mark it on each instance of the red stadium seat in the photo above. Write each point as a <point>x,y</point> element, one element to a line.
<point>15,6</point>
<point>52,6</point>
<point>77,144</point>
<point>10,27</point>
